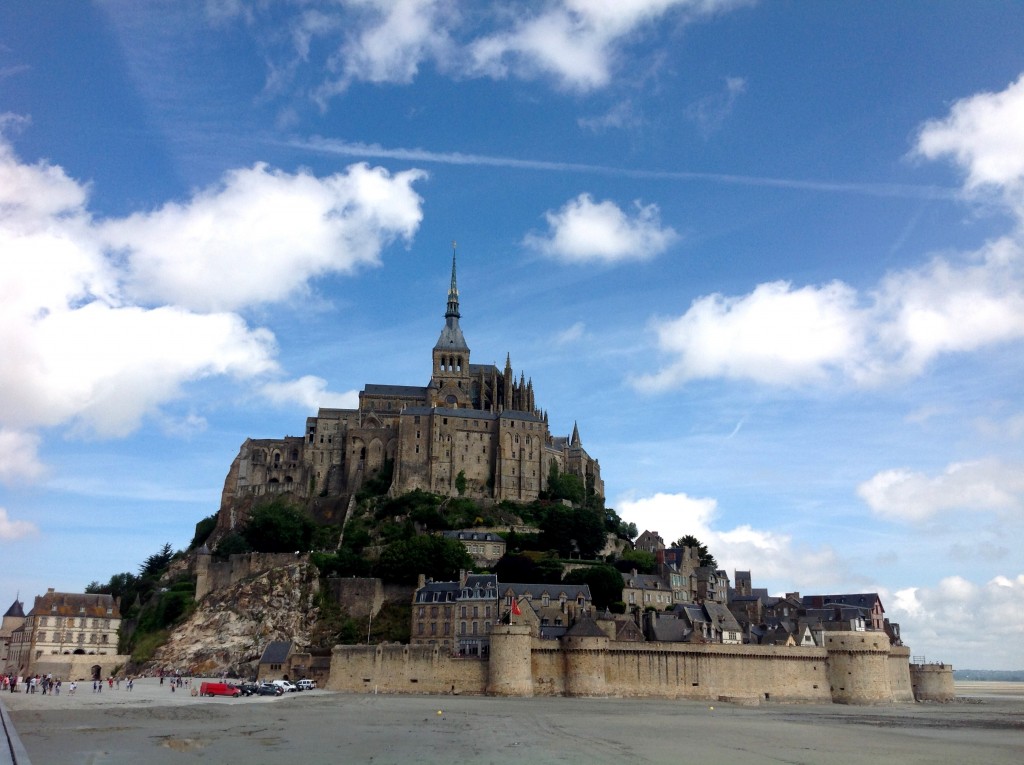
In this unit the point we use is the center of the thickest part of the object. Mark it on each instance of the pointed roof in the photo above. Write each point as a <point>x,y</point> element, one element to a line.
<point>451,338</point>
<point>16,610</point>
<point>574,440</point>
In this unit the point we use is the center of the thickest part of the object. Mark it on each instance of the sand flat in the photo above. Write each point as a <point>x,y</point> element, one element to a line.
<point>153,726</point>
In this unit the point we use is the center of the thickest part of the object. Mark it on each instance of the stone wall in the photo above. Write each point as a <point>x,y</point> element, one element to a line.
<point>396,668</point>
<point>212,575</point>
<point>933,682</point>
<point>79,667</point>
<point>849,672</point>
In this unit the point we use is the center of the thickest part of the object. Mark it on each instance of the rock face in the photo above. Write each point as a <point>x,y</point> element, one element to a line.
<point>231,626</point>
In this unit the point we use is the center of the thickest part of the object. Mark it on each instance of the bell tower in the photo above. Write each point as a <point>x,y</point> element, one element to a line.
<point>450,379</point>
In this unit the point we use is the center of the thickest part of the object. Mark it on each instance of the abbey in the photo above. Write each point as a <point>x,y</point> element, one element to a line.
<point>473,428</point>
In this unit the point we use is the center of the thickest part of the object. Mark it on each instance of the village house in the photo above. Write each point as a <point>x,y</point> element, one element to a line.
<point>484,547</point>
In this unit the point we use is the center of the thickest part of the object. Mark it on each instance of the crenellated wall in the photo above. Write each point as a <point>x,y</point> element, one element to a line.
<point>853,668</point>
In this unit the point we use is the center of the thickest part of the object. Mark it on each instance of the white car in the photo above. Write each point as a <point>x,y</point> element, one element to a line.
<point>284,684</point>
<point>306,685</point>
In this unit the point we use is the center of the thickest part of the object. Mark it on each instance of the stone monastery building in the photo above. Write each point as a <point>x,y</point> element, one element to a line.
<point>471,419</point>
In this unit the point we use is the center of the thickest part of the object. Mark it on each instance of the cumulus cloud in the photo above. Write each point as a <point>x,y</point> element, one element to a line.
<point>790,335</point>
<point>310,392</point>
<point>585,231</point>
<point>11,529</point>
<point>982,134</point>
<point>980,486</point>
<point>771,554</point>
<point>943,622</point>
<point>102,322</point>
<point>262,234</point>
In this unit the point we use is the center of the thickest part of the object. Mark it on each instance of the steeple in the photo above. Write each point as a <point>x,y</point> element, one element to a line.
<point>574,439</point>
<point>453,292</point>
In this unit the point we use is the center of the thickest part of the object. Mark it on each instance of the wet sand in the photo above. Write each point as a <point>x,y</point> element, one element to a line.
<point>152,726</point>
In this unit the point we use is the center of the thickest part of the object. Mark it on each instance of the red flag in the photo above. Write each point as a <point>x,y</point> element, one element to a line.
<point>515,608</point>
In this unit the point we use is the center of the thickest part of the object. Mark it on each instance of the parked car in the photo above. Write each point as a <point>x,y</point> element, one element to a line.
<point>306,685</point>
<point>248,689</point>
<point>287,686</point>
<point>219,689</point>
<point>269,689</point>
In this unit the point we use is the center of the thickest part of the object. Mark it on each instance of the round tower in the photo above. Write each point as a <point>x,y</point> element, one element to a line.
<point>932,682</point>
<point>510,669</point>
<point>858,667</point>
<point>585,647</point>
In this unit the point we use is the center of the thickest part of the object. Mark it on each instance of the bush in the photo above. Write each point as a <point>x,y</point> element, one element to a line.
<point>279,527</point>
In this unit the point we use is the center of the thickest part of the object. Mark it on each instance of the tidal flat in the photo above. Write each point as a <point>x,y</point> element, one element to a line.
<point>155,726</point>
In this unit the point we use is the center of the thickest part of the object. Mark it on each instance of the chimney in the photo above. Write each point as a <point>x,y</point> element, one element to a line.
<point>421,581</point>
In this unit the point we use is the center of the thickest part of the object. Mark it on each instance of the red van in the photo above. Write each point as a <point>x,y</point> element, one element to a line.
<point>219,689</point>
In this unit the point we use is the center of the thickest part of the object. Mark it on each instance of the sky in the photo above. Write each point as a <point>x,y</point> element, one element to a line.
<point>769,256</point>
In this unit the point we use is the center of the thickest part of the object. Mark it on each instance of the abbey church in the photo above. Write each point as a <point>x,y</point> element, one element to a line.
<point>472,426</point>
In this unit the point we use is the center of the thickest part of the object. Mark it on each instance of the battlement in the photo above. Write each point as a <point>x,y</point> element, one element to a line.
<point>851,669</point>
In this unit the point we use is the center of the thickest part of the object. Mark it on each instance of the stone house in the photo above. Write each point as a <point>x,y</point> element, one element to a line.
<point>869,603</point>
<point>712,584</point>
<point>456,615</point>
<point>649,541</point>
<point>640,591</point>
<point>65,624</point>
<point>484,547</point>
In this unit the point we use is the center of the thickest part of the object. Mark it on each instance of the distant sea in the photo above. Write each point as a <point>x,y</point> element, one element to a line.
<point>990,689</point>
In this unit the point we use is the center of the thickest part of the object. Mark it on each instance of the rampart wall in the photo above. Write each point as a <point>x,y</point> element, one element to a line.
<point>932,682</point>
<point>79,666</point>
<point>215,575</point>
<point>849,672</point>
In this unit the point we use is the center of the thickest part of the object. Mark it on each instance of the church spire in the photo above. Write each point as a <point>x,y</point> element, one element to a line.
<point>453,292</point>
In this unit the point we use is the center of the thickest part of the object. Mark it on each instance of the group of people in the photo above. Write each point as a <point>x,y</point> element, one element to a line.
<point>49,684</point>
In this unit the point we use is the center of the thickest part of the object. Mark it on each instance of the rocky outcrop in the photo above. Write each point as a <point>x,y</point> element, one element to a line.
<point>231,626</point>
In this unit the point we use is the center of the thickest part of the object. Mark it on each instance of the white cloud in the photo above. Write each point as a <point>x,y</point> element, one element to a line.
<point>263,234</point>
<point>771,554</point>
<point>974,626</point>
<point>585,231</point>
<point>389,40</point>
<point>309,392</point>
<point>21,457</point>
<point>983,134</point>
<point>784,335</point>
<point>10,529</point>
<point>82,351</point>
<point>980,486</point>
<point>578,42</point>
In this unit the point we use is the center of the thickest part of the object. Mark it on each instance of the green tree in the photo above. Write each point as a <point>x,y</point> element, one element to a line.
<point>604,581</point>
<point>204,528</point>
<point>460,482</point>
<point>279,527</point>
<point>434,556</point>
<point>231,544</point>
<point>572,531</point>
<point>644,562</point>
<point>706,558</point>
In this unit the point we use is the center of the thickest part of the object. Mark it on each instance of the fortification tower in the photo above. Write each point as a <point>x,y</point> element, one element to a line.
<point>933,682</point>
<point>858,667</point>
<point>585,647</point>
<point>510,671</point>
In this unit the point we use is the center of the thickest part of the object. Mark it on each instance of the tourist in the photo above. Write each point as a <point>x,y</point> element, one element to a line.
<point>72,688</point>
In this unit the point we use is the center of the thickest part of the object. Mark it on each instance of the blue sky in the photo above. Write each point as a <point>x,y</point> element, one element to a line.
<point>767,255</point>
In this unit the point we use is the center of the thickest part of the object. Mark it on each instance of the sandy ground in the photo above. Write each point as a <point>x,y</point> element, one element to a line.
<point>152,726</point>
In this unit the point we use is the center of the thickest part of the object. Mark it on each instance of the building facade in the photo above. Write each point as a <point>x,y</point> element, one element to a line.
<point>473,430</point>
<point>65,624</point>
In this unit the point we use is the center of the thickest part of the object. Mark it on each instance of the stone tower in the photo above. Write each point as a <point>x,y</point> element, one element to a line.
<point>450,379</point>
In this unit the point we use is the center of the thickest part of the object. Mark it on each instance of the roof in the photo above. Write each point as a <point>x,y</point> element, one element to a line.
<point>395,390</point>
<point>861,599</point>
<point>75,604</point>
<point>16,610</point>
<point>666,629</point>
<point>276,652</point>
<point>644,582</point>
<point>553,591</point>
<point>721,616</point>
<point>586,627</point>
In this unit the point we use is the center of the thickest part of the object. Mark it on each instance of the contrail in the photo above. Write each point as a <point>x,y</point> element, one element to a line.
<point>372,150</point>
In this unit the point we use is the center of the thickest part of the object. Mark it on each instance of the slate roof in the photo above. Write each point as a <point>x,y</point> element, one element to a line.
<point>585,627</point>
<point>415,391</point>
<point>468,535</point>
<point>75,604</point>
<point>669,630</point>
<point>860,599</point>
<point>16,610</point>
<point>276,652</point>
<point>554,591</point>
